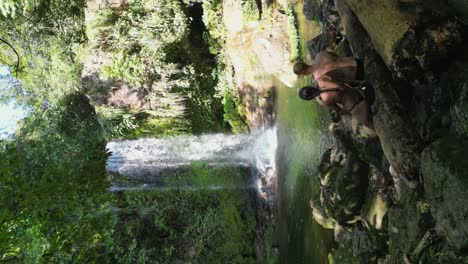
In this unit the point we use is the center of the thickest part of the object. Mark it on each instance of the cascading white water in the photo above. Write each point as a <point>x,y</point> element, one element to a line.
<point>150,158</point>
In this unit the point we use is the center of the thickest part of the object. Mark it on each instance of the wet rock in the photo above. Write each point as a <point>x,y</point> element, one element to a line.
<point>363,142</point>
<point>343,182</point>
<point>343,49</point>
<point>400,141</point>
<point>445,173</point>
<point>374,211</point>
<point>358,242</point>
<point>321,215</point>
<point>330,16</point>
<point>351,186</point>
<point>342,255</point>
<point>317,44</point>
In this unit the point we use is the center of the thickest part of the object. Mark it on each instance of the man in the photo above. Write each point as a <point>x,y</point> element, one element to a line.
<point>340,85</point>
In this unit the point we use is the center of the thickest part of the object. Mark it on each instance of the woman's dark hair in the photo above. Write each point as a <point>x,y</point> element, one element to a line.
<point>309,92</point>
<point>299,68</point>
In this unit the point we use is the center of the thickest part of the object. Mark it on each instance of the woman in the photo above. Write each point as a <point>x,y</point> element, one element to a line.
<point>338,86</point>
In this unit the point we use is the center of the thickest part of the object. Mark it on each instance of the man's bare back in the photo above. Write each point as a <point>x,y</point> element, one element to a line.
<point>332,72</point>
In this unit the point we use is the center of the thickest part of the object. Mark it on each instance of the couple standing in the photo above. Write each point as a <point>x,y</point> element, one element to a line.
<point>340,86</point>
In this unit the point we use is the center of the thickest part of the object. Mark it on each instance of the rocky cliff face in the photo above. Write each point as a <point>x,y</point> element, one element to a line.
<point>414,206</point>
<point>259,51</point>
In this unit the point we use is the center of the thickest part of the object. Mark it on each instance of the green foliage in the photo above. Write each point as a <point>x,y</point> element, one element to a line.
<point>128,68</point>
<point>293,35</point>
<point>152,47</point>
<point>43,34</point>
<point>187,226</point>
<point>234,114</point>
<point>213,20</point>
<point>120,123</point>
<point>271,258</point>
<point>8,8</point>
<point>100,26</point>
<point>201,174</point>
<point>53,186</point>
<point>249,11</point>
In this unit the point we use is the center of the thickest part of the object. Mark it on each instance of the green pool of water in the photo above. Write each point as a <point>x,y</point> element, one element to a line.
<point>302,138</point>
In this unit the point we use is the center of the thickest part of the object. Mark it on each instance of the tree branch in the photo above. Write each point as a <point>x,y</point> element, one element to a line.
<point>17,55</point>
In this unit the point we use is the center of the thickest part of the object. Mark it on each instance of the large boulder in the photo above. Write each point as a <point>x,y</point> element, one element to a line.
<point>272,48</point>
<point>317,44</point>
<point>343,185</point>
<point>409,38</point>
<point>362,142</point>
<point>400,142</point>
<point>445,172</point>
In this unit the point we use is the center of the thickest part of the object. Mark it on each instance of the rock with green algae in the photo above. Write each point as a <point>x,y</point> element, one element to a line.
<point>445,173</point>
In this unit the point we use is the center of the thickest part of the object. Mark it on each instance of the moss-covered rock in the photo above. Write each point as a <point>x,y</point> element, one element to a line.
<point>343,180</point>
<point>351,185</point>
<point>445,173</point>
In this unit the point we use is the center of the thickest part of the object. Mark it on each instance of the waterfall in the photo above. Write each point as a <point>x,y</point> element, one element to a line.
<point>149,160</point>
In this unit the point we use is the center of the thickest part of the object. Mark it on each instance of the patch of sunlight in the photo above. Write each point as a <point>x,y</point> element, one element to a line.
<point>9,113</point>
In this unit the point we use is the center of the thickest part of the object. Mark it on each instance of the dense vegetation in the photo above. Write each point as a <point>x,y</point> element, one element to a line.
<point>174,53</point>
<point>55,206</point>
